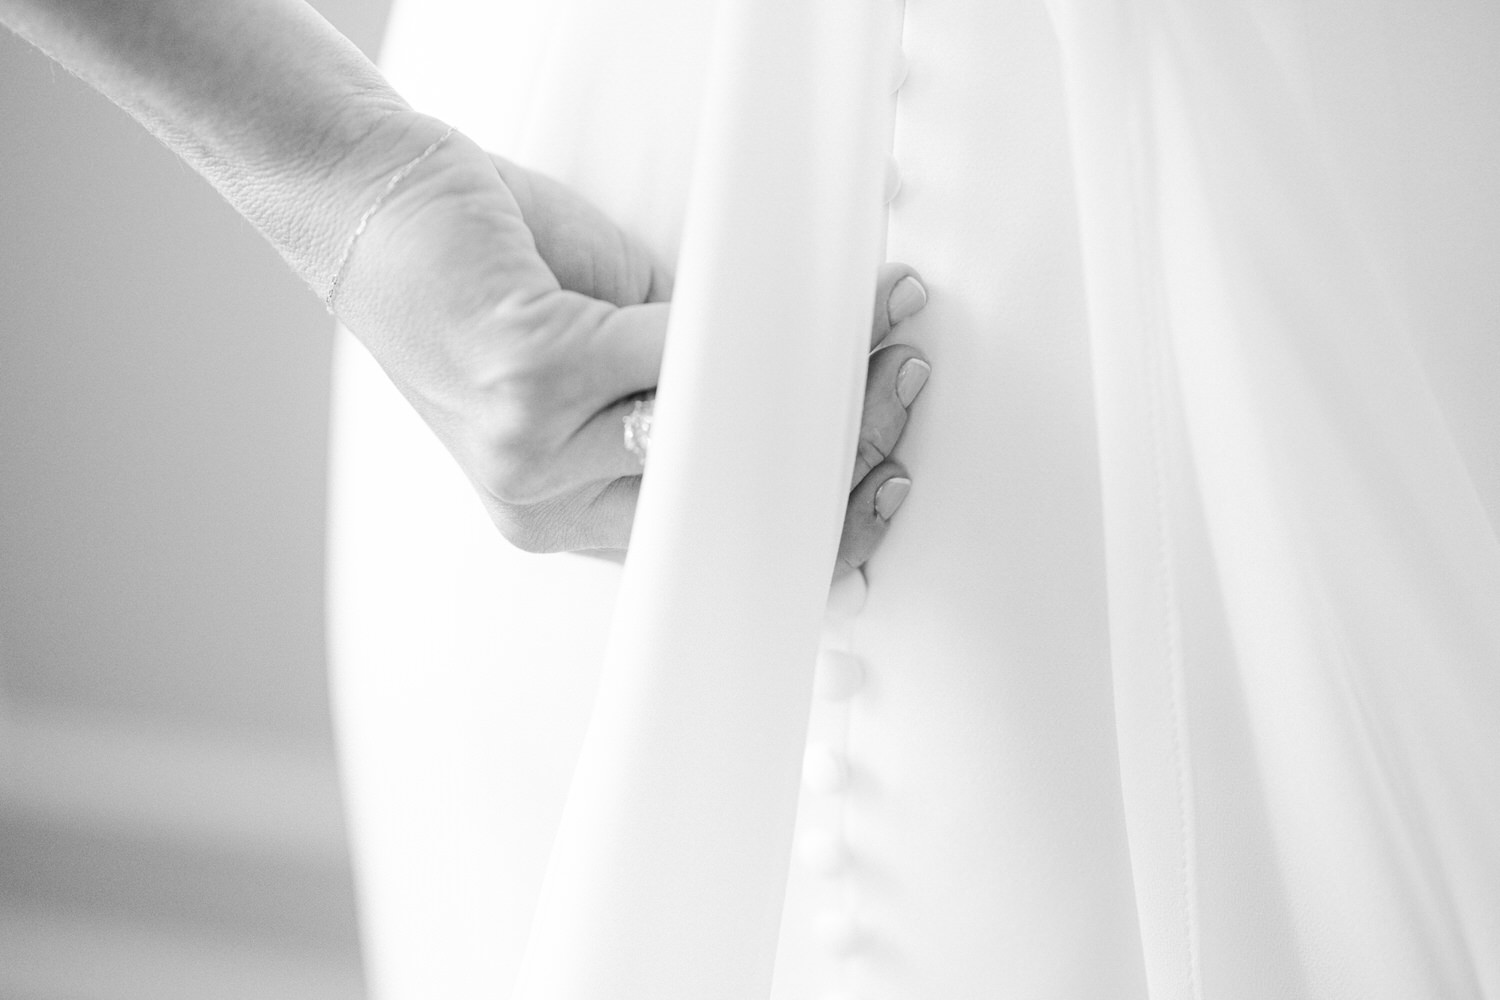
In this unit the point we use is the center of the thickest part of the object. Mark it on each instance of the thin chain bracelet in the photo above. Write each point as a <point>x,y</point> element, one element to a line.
<point>364,220</point>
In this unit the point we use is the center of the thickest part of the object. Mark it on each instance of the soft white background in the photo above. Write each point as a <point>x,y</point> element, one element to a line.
<point>169,814</point>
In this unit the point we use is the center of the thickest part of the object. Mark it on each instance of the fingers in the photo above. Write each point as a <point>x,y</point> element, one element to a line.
<point>896,299</point>
<point>897,375</point>
<point>583,248</point>
<point>627,350</point>
<point>624,351</point>
<point>871,506</point>
<point>566,480</point>
<point>561,426</point>
<point>598,450</point>
<point>897,372</point>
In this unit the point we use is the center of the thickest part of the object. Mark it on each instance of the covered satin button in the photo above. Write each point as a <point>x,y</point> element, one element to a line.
<point>822,852</point>
<point>846,598</point>
<point>839,675</point>
<point>892,179</point>
<point>899,69</point>
<point>825,770</point>
<point>839,932</point>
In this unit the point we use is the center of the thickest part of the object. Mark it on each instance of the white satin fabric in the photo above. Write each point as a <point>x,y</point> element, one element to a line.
<point>1181,665</point>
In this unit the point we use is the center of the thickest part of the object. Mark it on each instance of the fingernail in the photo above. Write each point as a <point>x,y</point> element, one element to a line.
<point>910,378</point>
<point>906,299</point>
<point>890,496</point>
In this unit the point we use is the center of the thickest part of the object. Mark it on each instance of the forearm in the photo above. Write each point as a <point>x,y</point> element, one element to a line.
<point>281,113</point>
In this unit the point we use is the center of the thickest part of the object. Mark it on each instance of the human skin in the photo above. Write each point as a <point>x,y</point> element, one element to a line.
<point>515,317</point>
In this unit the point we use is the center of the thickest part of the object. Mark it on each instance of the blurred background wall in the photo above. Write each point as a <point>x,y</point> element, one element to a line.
<point>169,815</point>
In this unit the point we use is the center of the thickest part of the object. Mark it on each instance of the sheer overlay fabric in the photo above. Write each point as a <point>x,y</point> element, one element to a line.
<point>1184,655</point>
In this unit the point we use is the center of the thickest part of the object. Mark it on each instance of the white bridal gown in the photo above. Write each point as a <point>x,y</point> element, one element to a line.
<point>1178,675</point>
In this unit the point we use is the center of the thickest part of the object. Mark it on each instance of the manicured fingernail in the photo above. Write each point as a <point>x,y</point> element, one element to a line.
<point>910,378</point>
<point>890,496</point>
<point>906,299</point>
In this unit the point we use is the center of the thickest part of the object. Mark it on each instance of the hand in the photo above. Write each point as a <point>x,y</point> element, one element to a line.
<point>520,322</point>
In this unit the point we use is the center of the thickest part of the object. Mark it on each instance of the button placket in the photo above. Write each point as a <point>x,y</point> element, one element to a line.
<point>829,777</point>
<point>830,772</point>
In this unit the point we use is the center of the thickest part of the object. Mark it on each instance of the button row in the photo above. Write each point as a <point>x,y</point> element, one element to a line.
<point>825,770</point>
<point>840,676</point>
<point>840,932</point>
<point>899,70</point>
<point>822,852</point>
<point>846,598</point>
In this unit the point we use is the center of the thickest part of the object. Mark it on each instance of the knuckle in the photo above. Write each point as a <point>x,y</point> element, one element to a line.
<point>887,361</point>
<point>523,530</point>
<point>513,465</point>
<point>860,533</point>
<point>878,437</point>
<point>518,434</point>
<point>870,453</point>
<point>515,483</point>
<point>519,439</point>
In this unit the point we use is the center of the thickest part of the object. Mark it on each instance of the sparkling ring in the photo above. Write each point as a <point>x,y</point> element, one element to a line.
<point>638,427</point>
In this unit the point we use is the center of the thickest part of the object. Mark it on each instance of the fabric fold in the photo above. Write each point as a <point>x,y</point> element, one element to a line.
<point>668,874</point>
<point>1269,438</point>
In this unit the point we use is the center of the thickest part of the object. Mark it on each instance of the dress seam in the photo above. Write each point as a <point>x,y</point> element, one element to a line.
<point>1155,336</point>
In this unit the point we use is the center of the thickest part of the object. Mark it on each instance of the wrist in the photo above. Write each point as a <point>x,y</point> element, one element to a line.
<point>276,109</point>
<point>341,265</point>
<point>310,205</point>
<point>429,207</point>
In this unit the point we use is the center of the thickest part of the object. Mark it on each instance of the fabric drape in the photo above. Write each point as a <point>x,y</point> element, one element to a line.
<point>1212,451</point>
<point>1293,537</point>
